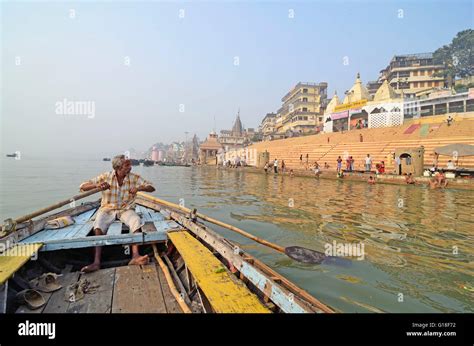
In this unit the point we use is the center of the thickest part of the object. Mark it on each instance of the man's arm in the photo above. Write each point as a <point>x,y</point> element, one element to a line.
<point>98,182</point>
<point>146,188</point>
<point>87,186</point>
<point>142,185</point>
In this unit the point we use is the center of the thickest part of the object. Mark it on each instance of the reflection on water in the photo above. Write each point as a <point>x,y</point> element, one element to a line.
<point>418,243</point>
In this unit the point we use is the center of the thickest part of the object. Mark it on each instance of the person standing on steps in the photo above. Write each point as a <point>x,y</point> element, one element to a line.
<point>339,164</point>
<point>368,163</point>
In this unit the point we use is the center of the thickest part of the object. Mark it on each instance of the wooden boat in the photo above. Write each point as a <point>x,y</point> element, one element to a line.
<point>172,164</point>
<point>106,159</point>
<point>11,155</point>
<point>193,269</point>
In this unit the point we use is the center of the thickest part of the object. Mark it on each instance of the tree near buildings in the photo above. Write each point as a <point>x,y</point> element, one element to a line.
<point>457,57</point>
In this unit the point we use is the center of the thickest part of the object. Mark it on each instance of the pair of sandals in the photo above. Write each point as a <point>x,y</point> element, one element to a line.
<point>32,297</point>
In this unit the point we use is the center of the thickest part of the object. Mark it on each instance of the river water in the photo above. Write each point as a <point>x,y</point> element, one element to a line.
<point>418,243</point>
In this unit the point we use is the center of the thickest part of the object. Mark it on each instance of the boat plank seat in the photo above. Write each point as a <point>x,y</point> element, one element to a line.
<point>115,229</point>
<point>77,234</point>
<point>225,293</point>
<point>14,258</point>
<point>149,214</point>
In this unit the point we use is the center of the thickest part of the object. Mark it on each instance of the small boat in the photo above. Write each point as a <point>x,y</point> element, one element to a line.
<point>193,269</point>
<point>172,164</point>
<point>134,162</point>
<point>11,155</point>
<point>148,163</point>
<point>106,159</point>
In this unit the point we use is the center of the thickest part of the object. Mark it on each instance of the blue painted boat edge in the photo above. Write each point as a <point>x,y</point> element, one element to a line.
<point>281,299</point>
<point>101,240</point>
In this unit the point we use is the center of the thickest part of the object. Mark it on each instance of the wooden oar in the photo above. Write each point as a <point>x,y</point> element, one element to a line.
<point>297,253</point>
<point>54,206</point>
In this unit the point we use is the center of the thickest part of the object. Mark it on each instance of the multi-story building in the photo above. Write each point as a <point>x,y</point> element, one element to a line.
<point>413,73</point>
<point>267,126</point>
<point>302,109</point>
<point>440,102</point>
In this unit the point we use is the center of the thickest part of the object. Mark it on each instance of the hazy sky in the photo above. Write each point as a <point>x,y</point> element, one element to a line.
<point>189,63</point>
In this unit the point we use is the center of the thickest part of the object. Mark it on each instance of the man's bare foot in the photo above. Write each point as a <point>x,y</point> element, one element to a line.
<point>139,260</point>
<point>91,268</point>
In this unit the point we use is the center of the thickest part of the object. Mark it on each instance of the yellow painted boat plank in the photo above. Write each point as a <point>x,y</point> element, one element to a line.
<point>225,293</point>
<point>14,258</point>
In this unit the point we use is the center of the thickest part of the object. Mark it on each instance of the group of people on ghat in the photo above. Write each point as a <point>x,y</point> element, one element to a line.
<point>437,181</point>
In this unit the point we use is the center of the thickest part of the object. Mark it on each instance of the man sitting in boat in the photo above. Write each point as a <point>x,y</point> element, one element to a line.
<point>119,188</point>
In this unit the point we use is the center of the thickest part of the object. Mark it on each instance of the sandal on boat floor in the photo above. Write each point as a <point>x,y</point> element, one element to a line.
<point>46,283</point>
<point>31,298</point>
<point>76,291</point>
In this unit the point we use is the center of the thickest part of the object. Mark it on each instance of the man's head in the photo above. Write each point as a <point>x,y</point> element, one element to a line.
<point>121,165</point>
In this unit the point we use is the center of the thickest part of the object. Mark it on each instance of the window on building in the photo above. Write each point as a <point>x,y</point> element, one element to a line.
<point>305,99</point>
<point>457,106</point>
<point>404,85</point>
<point>305,109</point>
<point>305,91</point>
<point>415,85</point>
<point>320,119</point>
<point>436,84</point>
<point>415,73</point>
<point>441,108</point>
<point>430,84</point>
<point>422,84</point>
<point>470,105</point>
<point>426,110</point>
